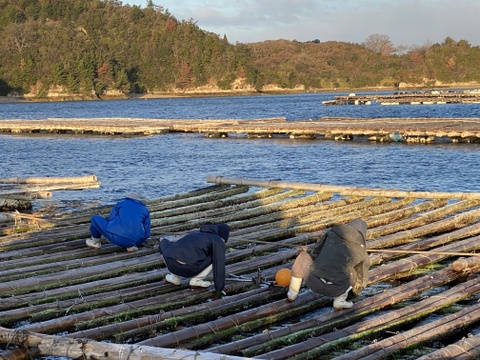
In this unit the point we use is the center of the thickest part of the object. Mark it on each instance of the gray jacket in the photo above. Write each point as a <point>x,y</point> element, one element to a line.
<point>340,260</point>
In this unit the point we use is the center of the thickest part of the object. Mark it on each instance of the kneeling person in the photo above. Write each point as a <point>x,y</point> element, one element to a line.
<point>196,255</point>
<point>337,267</point>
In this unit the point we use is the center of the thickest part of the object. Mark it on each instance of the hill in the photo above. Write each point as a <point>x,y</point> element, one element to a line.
<point>99,49</point>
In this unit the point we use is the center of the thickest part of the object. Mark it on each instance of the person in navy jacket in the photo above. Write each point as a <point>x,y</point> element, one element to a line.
<point>197,254</point>
<point>127,225</point>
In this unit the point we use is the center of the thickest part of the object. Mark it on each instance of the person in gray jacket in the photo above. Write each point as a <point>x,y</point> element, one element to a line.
<point>337,267</point>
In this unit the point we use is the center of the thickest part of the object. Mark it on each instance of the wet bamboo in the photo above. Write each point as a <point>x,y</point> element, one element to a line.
<point>155,303</point>
<point>290,227</point>
<point>85,300</point>
<point>27,196</point>
<point>50,345</point>
<point>177,337</point>
<point>283,207</point>
<point>172,201</point>
<point>199,314</point>
<point>148,322</point>
<point>221,214</point>
<point>389,319</point>
<point>244,226</point>
<point>327,322</point>
<point>406,236</point>
<point>50,180</point>
<point>261,323</point>
<point>434,330</point>
<point>429,243</point>
<point>197,215</point>
<point>465,349</point>
<point>19,354</point>
<point>200,204</point>
<point>46,267</point>
<point>424,218</point>
<point>366,208</point>
<point>52,187</point>
<point>342,190</point>
<point>246,200</point>
<point>464,264</point>
<point>383,222</point>
<point>14,204</point>
<point>408,265</point>
<point>75,292</point>
<point>324,210</point>
<point>79,273</point>
<point>66,321</point>
<point>427,252</point>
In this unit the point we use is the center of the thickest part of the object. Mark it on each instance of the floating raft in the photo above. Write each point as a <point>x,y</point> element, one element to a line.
<point>60,298</point>
<point>409,98</point>
<point>20,193</point>
<point>412,130</point>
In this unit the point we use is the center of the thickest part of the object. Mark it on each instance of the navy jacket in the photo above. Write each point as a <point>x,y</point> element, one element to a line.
<point>196,247</point>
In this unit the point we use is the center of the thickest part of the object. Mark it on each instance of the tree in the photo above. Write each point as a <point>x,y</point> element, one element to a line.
<point>379,43</point>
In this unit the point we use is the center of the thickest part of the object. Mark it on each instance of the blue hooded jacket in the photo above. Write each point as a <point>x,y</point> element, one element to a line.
<point>130,218</point>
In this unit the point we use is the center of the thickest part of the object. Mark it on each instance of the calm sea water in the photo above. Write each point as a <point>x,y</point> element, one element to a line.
<point>167,164</point>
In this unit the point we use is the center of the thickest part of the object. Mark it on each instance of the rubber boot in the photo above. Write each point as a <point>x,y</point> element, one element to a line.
<point>198,281</point>
<point>340,302</point>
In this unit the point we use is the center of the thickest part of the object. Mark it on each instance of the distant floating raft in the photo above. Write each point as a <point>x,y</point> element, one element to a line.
<point>409,98</point>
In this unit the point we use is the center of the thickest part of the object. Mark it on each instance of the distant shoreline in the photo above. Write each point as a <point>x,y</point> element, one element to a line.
<point>13,99</point>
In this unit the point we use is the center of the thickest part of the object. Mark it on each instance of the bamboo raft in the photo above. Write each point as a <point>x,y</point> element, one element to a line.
<point>412,130</point>
<point>409,98</point>
<point>60,298</point>
<point>20,193</point>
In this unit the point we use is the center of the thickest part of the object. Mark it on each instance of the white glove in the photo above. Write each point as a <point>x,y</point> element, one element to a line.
<point>294,288</point>
<point>292,295</point>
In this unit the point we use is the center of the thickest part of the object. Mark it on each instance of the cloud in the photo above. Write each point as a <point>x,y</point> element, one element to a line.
<point>407,22</point>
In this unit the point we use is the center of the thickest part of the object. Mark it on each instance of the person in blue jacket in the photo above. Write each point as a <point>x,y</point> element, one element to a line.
<point>127,225</point>
<point>196,255</point>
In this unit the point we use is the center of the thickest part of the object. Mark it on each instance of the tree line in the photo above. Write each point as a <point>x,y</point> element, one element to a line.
<point>92,47</point>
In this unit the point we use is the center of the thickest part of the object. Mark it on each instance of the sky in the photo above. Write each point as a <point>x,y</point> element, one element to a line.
<point>405,22</point>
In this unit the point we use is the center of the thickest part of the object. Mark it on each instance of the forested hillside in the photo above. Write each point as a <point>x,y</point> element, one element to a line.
<point>99,47</point>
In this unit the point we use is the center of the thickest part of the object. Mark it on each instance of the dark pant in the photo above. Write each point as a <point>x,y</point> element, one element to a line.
<point>184,270</point>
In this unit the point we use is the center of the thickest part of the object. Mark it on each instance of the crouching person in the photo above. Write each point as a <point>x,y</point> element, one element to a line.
<point>127,225</point>
<point>337,267</point>
<point>196,255</point>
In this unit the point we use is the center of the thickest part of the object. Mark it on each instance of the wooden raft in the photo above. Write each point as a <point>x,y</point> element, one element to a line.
<point>412,130</point>
<point>409,98</point>
<point>60,298</point>
<point>18,194</point>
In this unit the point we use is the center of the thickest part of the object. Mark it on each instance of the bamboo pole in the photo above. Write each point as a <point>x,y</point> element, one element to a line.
<point>433,252</point>
<point>465,349</point>
<point>434,330</point>
<point>51,345</point>
<point>325,343</point>
<point>342,190</point>
<point>50,180</point>
<point>178,337</point>
<point>149,322</point>
<point>326,322</point>
<point>408,265</point>
<point>444,225</point>
<point>427,217</point>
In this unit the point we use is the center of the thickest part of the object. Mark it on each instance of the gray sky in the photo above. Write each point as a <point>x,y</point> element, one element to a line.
<point>406,22</point>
